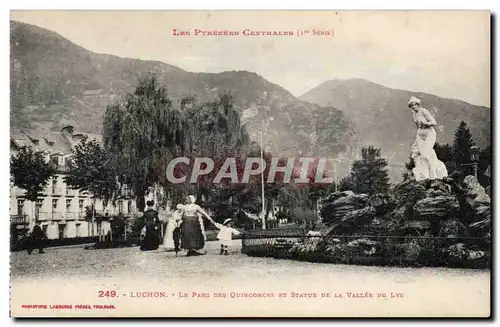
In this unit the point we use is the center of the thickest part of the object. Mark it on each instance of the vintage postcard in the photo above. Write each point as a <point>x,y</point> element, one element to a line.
<point>250,164</point>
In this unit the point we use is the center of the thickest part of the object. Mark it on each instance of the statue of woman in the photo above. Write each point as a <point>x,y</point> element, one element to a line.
<point>427,165</point>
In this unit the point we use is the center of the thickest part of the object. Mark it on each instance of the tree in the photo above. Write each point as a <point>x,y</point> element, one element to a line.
<point>369,175</point>
<point>142,134</point>
<point>214,130</point>
<point>346,184</point>
<point>461,147</point>
<point>91,169</point>
<point>146,132</point>
<point>30,172</point>
<point>444,153</point>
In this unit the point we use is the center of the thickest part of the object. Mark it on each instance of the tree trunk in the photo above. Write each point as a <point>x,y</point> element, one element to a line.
<point>199,195</point>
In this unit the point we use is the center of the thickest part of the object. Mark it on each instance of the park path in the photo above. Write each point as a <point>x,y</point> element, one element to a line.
<point>74,273</point>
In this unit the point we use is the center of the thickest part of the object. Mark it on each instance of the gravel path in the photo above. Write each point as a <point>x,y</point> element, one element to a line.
<point>424,291</point>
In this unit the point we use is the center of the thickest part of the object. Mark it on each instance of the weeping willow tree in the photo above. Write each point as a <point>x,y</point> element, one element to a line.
<point>141,134</point>
<point>213,130</point>
<point>146,132</point>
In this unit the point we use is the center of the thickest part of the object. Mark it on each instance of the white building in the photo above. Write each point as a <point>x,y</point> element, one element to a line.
<point>62,210</point>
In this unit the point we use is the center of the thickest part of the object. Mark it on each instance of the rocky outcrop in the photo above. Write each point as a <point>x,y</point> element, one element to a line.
<point>423,221</point>
<point>410,191</point>
<point>477,199</point>
<point>437,207</point>
<point>382,203</point>
<point>338,204</point>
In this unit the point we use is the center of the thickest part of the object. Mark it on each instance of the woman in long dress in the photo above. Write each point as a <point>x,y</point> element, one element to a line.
<point>427,165</point>
<point>193,235</point>
<point>151,239</point>
<point>172,223</point>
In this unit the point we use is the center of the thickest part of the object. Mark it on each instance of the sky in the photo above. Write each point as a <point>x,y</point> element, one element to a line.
<point>446,53</point>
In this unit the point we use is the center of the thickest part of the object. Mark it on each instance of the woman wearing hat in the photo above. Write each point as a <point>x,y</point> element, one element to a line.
<point>150,234</point>
<point>427,165</point>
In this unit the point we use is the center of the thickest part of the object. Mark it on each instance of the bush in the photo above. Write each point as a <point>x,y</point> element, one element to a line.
<point>307,217</point>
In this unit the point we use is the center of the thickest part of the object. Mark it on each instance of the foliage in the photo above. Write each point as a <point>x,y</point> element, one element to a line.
<point>91,169</point>
<point>141,134</point>
<point>146,132</point>
<point>229,202</point>
<point>118,226</point>
<point>30,172</point>
<point>346,184</point>
<point>306,216</point>
<point>444,152</point>
<point>369,175</point>
<point>461,147</point>
<point>485,161</point>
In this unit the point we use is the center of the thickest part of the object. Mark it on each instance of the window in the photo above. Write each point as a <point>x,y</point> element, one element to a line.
<point>80,205</point>
<point>68,205</point>
<point>120,206</point>
<point>38,206</point>
<point>54,205</point>
<point>54,184</point>
<point>129,206</point>
<point>20,207</point>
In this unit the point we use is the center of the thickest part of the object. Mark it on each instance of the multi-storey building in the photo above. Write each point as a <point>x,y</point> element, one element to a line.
<point>61,210</point>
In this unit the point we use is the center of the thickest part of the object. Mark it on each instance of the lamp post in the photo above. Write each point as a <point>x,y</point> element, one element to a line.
<point>474,157</point>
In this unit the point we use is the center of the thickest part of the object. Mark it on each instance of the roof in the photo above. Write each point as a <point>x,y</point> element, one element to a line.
<point>53,142</point>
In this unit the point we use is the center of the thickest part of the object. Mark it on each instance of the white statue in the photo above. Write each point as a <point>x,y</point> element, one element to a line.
<point>427,165</point>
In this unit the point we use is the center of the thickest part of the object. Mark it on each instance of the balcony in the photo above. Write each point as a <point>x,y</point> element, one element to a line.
<point>43,216</point>
<point>72,216</point>
<point>60,168</point>
<point>18,220</point>
<point>58,215</point>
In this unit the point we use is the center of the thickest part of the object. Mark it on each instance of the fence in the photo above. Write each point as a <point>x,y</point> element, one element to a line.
<point>460,252</point>
<point>262,243</point>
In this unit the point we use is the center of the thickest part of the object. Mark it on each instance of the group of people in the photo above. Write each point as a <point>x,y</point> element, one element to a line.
<point>185,230</point>
<point>36,239</point>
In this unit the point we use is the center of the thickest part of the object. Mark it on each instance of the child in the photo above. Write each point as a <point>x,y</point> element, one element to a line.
<point>225,235</point>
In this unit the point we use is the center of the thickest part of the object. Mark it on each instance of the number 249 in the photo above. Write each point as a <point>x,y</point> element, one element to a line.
<point>107,293</point>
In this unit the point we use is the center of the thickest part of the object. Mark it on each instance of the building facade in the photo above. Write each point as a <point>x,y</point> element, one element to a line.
<point>61,211</point>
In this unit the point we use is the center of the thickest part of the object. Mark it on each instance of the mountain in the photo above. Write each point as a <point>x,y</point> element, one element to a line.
<point>55,82</point>
<point>381,116</point>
